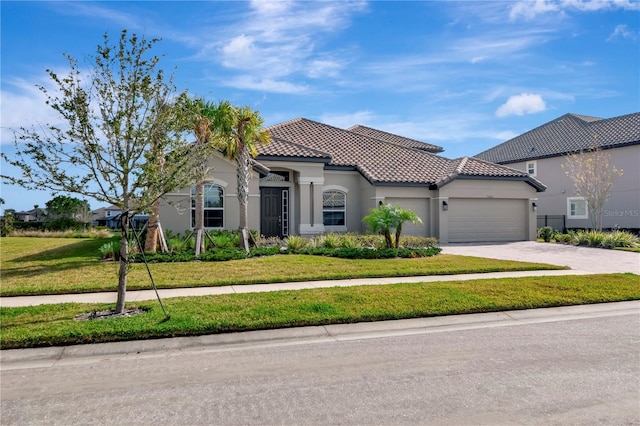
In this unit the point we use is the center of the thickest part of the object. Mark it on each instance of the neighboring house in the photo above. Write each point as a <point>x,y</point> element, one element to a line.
<point>541,152</point>
<point>325,179</point>
<point>33,215</point>
<point>110,217</point>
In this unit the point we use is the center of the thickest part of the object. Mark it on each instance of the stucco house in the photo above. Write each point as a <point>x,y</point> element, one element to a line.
<point>541,152</point>
<point>325,179</point>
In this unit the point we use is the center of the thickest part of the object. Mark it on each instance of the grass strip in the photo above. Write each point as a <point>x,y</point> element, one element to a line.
<point>32,266</point>
<point>54,325</point>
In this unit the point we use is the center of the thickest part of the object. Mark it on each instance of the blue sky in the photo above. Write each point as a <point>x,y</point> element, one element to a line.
<point>463,75</point>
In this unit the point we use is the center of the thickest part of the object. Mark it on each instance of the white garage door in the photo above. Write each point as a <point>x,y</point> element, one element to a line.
<point>480,220</point>
<point>418,206</point>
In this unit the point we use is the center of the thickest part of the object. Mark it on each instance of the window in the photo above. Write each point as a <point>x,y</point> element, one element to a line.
<point>334,208</point>
<point>577,208</point>
<point>213,206</point>
<point>531,168</point>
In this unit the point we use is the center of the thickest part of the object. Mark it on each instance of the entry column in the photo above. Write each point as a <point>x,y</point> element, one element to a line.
<point>311,205</point>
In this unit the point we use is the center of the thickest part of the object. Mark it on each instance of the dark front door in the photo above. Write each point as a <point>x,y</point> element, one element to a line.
<point>271,212</point>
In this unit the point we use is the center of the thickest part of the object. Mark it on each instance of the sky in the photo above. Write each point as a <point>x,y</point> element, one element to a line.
<point>464,75</point>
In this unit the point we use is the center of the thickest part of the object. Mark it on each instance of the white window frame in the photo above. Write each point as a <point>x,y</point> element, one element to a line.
<point>335,189</point>
<point>533,170</point>
<point>571,201</point>
<point>216,208</point>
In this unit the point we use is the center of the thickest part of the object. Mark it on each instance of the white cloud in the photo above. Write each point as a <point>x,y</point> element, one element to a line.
<point>505,135</point>
<point>248,82</point>
<point>528,10</point>
<point>23,106</point>
<point>525,103</point>
<point>622,31</point>
<point>324,68</point>
<point>278,40</point>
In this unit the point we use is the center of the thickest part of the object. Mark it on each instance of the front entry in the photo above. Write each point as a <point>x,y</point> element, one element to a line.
<point>274,212</point>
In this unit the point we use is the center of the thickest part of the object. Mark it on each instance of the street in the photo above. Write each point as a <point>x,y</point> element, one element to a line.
<point>574,371</point>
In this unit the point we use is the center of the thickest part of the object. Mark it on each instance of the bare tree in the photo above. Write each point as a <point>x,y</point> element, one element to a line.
<point>593,176</point>
<point>120,118</point>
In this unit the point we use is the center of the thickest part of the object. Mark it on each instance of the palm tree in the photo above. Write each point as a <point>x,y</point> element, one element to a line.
<point>212,125</point>
<point>246,135</point>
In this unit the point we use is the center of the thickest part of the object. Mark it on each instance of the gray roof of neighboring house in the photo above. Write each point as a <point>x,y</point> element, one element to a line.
<point>567,134</point>
<point>379,161</point>
<point>390,137</point>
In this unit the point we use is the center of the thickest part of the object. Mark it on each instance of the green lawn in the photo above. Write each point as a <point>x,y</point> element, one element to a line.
<point>55,324</point>
<point>40,266</point>
<point>31,266</point>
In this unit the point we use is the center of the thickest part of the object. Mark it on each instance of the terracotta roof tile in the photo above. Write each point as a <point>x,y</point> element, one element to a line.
<point>566,134</point>
<point>377,160</point>
<point>398,140</point>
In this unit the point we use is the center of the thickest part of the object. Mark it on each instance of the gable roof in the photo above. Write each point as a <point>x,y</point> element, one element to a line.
<point>378,161</point>
<point>390,137</point>
<point>567,134</point>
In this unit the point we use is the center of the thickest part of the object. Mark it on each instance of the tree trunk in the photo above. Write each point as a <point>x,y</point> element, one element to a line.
<point>124,260</point>
<point>199,220</point>
<point>387,238</point>
<point>398,232</point>
<point>244,159</point>
<point>151,242</point>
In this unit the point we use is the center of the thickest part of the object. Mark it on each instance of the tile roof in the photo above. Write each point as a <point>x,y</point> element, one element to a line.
<point>399,140</point>
<point>567,134</point>
<point>379,161</point>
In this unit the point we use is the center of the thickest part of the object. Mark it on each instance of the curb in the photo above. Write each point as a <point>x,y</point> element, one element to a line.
<point>48,357</point>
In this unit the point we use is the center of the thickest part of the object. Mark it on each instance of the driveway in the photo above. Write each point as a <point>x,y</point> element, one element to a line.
<point>580,258</point>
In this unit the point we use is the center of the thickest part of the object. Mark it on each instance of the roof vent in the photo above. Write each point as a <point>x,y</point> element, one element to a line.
<point>532,149</point>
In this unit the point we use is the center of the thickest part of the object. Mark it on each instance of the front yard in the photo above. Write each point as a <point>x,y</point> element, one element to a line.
<point>32,266</point>
<point>37,266</point>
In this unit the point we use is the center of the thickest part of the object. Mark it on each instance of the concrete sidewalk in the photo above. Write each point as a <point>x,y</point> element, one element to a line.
<point>136,296</point>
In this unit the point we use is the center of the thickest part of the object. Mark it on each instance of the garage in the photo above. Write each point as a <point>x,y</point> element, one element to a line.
<point>486,220</point>
<point>420,207</point>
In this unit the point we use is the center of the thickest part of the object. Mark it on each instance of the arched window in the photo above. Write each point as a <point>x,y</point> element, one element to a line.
<point>334,208</point>
<point>213,206</point>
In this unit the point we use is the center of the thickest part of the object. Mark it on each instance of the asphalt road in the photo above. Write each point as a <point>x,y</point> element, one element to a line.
<point>558,371</point>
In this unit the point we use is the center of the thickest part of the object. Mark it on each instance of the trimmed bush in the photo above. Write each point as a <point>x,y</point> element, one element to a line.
<point>546,233</point>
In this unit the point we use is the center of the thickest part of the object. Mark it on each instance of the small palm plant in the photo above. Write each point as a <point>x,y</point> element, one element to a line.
<point>388,218</point>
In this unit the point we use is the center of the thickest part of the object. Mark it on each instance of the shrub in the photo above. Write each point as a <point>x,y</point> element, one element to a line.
<point>546,233</point>
<point>620,239</point>
<point>580,238</point>
<point>92,233</point>
<point>295,243</point>
<point>411,241</point>
<point>562,238</point>
<point>110,250</point>
<point>224,239</point>
<point>595,238</point>
<point>64,224</point>
<point>367,253</point>
<point>350,241</point>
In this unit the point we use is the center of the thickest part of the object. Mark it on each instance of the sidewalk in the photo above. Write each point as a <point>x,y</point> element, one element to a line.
<point>136,296</point>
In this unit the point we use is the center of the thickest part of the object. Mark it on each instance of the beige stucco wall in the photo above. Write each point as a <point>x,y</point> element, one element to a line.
<point>623,206</point>
<point>308,180</point>
<point>175,208</point>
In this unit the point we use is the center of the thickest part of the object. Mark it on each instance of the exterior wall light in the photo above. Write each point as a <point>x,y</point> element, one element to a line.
<point>534,206</point>
<point>445,206</point>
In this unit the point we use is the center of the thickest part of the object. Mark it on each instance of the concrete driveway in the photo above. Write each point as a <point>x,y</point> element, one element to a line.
<point>579,258</point>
